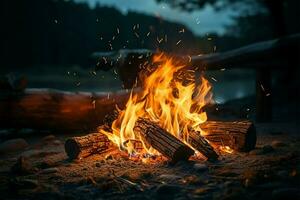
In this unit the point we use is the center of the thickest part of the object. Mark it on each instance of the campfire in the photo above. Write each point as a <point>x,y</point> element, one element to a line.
<point>166,117</point>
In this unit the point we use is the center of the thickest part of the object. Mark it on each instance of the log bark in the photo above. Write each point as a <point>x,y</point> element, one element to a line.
<point>165,143</point>
<point>158,138</point>
<point>47,109</point>
<point>238,135</point>
<point>84,146</point>
<point>200,144</point>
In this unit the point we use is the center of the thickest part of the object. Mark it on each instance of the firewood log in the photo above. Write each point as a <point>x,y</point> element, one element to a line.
<point>84,146</point>
<point>238,135</point>
<point>165,143</point>
<point>158,138</point>
<point>200,144</point>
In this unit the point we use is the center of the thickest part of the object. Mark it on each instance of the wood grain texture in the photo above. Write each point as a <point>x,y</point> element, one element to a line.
<point>238,135</point>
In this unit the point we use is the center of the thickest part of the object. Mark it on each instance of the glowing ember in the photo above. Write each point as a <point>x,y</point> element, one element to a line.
<point>170,97</point>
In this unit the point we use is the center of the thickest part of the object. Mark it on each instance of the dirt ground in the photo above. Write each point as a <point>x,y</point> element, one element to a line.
<point>43,171</point>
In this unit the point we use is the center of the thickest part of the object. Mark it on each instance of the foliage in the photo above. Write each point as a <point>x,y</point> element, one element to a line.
<point>59,32</point>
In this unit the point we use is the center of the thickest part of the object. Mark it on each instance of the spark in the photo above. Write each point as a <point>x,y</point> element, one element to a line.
<point>137,35</point>
<point>118,30</point>
<point>159,40</point>
<point>223,69</point>
<point>178,42</point>
<point>105,61</point>
<point>94,104</point>
<point>214,79</point>
<point>262,87</point>
<point>148,34</point>
<point>182,31</point>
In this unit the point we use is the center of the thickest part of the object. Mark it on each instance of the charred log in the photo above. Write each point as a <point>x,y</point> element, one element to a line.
<point>200,144</point>
<point>165,143</point>
<point>238,135</point>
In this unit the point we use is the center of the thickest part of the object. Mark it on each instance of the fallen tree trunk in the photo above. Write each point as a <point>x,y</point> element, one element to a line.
<point>238,135</point>
<point>271,54</point>
<point>48,109</point>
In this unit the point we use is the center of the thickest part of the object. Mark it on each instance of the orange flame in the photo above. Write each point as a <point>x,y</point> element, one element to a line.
<point>170,97</point>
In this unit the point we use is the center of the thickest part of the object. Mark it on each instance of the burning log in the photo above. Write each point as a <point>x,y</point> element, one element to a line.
<point>238,135</point>
<point>158,138</point>
<point>162,141</point>
<point>84,146</point>
<point>195,139</point>
<point>201,145</point>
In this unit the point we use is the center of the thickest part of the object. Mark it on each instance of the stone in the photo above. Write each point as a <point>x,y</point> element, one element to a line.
<point>22,166</point>
<point>257,151</point>
<point>169,177</point>
<point>277,144</point>
<point>13,145</point>
<point>57,142</point>
<point>192,180</point>
<point>49,138</point>
<point>200,167</point>
<point>202,190</point>
<point>49,170</point>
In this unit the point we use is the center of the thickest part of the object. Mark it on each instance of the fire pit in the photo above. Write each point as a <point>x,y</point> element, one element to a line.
<point>166,118</point>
